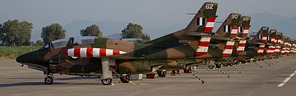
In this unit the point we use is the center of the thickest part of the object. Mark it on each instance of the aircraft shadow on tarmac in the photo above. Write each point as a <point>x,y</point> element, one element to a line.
<point>55,83</point>
<point>25,84</point>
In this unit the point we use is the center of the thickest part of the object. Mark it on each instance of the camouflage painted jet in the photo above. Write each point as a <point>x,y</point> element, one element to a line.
<point>221,44</point>
<point>255,45</point>
<point>211,46</point>
<point>263,45</point>
<point>93,56</point>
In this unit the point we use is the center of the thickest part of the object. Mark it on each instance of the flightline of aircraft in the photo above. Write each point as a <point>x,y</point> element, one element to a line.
<point>192,46</point>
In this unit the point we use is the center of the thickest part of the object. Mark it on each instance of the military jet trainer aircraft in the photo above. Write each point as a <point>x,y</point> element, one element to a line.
<point>239,42</point>
<point>93,56</point>
<point>221,43</point>
<point>211,47</point>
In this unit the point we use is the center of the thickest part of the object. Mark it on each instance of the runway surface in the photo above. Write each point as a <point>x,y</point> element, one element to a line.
<point>274,80</point>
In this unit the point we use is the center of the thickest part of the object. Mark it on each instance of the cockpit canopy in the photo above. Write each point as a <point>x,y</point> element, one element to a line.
<point>77,40</point>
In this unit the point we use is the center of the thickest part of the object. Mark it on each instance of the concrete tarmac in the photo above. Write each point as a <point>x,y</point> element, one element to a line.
<point>252,81</point>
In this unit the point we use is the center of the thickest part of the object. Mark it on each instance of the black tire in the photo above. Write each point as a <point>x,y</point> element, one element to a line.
<point>187,70</point>
<point>125,78</point>
<point>161,73</point>
<point>218,65</point>
<point>106,81</point>
<point>225,64</point>
<point>211,66</point>
<point>48,80</point>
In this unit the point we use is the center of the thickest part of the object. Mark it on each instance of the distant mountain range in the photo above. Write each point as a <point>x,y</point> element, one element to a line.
<point>113,29</point>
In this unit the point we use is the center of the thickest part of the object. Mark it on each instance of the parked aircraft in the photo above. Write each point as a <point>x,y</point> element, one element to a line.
<point>93,56</point>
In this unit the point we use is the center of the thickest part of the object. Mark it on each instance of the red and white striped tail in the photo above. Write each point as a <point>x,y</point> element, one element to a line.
<point>260,49</point>
<point>279,41</point>
<point>234,31</point>
<point>283,51</point>
<point>210,24</point>
<point>203,46</point>
<point>277,49</point>
<point>245,31</point>
<point>91,52</point>
<point>241,46</point>
<point>264,38</point>
<point>228,49</point>
<point>270,49</point>
<point>293,50</point>
<point>273,40</point>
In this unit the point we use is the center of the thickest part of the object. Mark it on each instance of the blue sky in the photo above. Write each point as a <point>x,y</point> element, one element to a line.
<point>148,13</point>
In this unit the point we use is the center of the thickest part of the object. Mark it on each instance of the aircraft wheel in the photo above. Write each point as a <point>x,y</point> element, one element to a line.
<point>48,80</point>
<point>125,78</point>
<point>187,70</point>
<point>173,72</point>
<point>225,64</point>
<point>211,66</point>
<point>161,73</point>
<point>106,81</point>
<point>218,65</point>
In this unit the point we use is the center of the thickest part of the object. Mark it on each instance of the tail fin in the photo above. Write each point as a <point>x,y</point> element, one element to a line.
<point>272,35</point>
<point>204,20</point>
<point>229,28</point>
<point>271,40</point>
<point>205,16</point>
<point>199,27</point>
<point>227,52</point>
<point>206,13</point>
<point>227,31</point>
<point>278,41</point>
<point>260,39</point>
<point>261,36</point>
<point>260,50</point>
<point>244,26</point>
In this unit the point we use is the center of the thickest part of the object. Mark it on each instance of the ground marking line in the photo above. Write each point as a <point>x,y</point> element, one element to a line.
<point>286,80</point>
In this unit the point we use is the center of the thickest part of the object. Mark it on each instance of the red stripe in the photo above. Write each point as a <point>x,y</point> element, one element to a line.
<point>226,55</point>
<point>89,52</point>
<point>263,41</point>
<point>242,44</point>
<point>102,52</point>
<point>232,35</point>
<point>200,53</point>
<point>259,53</point>
<point>208,29</point>
<point>115,52</point>
<point>235,27</point>
<point>65,52</point>
<point>204,44</point>
<point>246,28</point>
<point>211,19</point>
<point>245,35</point>
<point>228,47</point>
<point>239,51</point>
<point>77,52</point>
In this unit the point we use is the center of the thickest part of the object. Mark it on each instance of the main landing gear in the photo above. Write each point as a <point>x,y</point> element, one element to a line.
<point>161,73</point>
<point>125,78</point>
<point>48,80</point>
<point>106,81</point>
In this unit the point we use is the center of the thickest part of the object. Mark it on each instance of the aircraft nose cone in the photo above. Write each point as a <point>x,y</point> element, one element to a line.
<point>24,58</point>
<point>20,59</point>
<point>31,57</point>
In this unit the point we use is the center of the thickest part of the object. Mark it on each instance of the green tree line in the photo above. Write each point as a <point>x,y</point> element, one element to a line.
<point>18,33</point>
